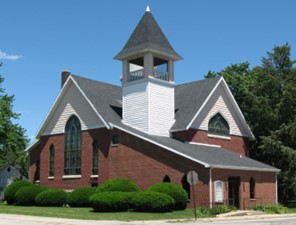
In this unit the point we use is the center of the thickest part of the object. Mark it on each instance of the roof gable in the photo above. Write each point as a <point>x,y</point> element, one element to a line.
<point>198,95</point>
<point>71,100</point>
<point>147,36</point>
<point>189,98</point>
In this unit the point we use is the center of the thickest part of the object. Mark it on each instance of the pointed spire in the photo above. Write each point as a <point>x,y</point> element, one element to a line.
<point>147,9</point>
<point>148,36</point>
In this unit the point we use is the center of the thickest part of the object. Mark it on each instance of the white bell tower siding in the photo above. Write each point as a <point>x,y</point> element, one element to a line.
<point>149,106</point>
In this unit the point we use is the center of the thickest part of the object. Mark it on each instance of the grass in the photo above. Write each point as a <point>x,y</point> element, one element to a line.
<point>88,214</point>
<point>291,210</point>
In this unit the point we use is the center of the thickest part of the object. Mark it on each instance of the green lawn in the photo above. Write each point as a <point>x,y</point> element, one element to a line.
<point>86,213</point>
<point>291,210</point>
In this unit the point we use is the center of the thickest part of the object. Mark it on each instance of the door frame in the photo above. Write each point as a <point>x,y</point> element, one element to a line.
<point>234,184</point>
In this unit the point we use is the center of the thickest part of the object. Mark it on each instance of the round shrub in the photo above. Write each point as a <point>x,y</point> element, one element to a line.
<point>175,191</point>
<point>26,195</point>
<point>149,201</point>
<point>51,197</point>
<point>9,193</point>
<point>119,184</point>
<point>110,201</point>
<point>80,197</point>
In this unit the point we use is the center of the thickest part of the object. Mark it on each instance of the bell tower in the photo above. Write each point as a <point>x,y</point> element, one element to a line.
<point>148,78</point>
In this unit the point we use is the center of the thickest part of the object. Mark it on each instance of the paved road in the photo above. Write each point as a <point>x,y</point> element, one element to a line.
<point>6,219</point>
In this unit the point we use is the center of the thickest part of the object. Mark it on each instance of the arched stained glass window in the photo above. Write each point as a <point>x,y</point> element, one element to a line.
<point>218,125</point>
<point>72,157</point>
<point>51,161</point>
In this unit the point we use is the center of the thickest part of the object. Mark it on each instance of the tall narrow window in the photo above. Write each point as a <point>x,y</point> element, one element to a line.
<point>218,125</point>
<point>72,158</point>
<point>219,195</point>
<point>51,161</point>
<point>95,158</point>
<point>186,185</point>
<point>37,171</point>
<point>252,188</point>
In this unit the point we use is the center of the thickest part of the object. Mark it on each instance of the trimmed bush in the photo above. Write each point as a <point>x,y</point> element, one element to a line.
<point>9,193</point>
<point>119,184</point>
<point>26,195</point>
<point>51,197</point>
<point>110,201</point>
<point>175,191</point>
<point>80,197</point>
<point>149,201</point>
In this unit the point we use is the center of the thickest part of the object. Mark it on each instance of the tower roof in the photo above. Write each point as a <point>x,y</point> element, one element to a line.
<point>148,37</point>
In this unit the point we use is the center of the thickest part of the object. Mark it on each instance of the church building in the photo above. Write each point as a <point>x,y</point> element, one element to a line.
<point>151,130</point>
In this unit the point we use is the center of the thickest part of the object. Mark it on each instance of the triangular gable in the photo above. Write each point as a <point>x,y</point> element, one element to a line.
<point>236,118</point>
<point>70,85</point>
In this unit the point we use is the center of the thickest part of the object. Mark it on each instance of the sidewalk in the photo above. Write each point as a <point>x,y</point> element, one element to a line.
<point>246,215</point>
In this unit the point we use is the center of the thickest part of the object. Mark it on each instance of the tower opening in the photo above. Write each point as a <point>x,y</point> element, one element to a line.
<point>160,69</point>
<point>136,69</point>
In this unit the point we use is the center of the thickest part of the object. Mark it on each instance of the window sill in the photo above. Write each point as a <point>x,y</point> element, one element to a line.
<point>219,137</point>
<point>219,202</point>
<point>71,176</point>
<point>94,176</point>
<point>50,178</point>
<point>253,199</point>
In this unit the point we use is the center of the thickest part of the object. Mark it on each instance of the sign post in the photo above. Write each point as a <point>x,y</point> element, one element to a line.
<point>192,179</point>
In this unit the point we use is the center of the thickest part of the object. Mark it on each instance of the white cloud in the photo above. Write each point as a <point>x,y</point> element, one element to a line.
<point>4,55</point>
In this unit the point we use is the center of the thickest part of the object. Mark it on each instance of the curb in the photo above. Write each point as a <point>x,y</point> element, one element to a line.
<point>246,217</point>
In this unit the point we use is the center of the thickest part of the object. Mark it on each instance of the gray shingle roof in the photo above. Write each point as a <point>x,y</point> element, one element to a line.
<point>106,99</point>
<point>197,92</point>
<point>209,156</point>
<point>147,37</point>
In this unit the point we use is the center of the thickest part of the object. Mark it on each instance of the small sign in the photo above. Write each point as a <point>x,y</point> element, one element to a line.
<point>192,177</point>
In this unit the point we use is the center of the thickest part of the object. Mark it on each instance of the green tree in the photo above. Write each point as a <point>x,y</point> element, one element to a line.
<point>266,95</point>
<point>12,136</point>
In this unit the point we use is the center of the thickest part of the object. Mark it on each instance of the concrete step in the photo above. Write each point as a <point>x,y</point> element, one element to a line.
<point>241,213</point>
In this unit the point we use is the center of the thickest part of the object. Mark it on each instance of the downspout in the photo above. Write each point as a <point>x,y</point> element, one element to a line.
<point>276,188</point>
<point>211,187</point>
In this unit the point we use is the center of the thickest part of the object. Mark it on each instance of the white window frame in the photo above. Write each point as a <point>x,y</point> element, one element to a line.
<point>219,197</point>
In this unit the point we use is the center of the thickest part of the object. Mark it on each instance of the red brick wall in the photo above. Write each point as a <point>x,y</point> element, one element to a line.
<point>265,186</point>
<point>133,158</point>
<point>147,164</point>
<point>88,137</point>
<point>142,162</point>
<point>236,144</point>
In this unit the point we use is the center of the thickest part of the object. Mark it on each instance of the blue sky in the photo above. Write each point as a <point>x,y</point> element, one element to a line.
<point>39,39</point>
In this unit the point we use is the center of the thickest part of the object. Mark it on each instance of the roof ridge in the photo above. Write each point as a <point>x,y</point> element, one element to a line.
<point>198,81</point>
<point>91,79</point>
